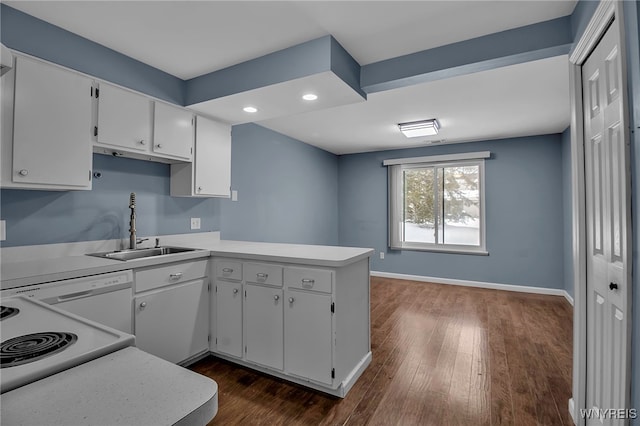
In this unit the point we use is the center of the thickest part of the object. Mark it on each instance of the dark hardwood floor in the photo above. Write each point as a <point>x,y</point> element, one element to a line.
<point>442,355</point>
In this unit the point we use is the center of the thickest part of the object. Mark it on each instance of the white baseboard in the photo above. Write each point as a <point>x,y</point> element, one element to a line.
<point>568,297</point>
<point>52,251</point>
<point>478,284</point>
<point>572,407</point>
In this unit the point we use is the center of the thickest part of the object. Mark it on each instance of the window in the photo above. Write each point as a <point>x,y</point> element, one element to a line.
<point>436,203</point>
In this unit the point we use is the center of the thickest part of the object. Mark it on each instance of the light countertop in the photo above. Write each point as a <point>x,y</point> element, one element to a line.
<point>22,273</point>
<point>127,387</point>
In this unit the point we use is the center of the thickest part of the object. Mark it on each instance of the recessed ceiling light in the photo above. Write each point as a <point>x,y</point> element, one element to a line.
<point>250,109</point>
<point>419,128</point>
<point>309,97</point>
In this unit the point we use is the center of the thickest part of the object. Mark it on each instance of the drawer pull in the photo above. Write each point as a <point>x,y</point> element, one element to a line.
<point>175,276</point>
<point>308,281</point>
<point>262,275</point>
<point>235,291</point>
<point>227,270</point>
<point>276,297</point>
<point>291,300</point>
<point>143,305</point>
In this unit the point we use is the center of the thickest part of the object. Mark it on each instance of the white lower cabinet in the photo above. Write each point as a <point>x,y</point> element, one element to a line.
<point>171,314</point>
<point>228,324</point>
<point>282,319</point>
<point>263,323</point>
<point>308,349</point>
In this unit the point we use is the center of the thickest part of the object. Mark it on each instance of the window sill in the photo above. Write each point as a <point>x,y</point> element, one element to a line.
<point>451,250</point>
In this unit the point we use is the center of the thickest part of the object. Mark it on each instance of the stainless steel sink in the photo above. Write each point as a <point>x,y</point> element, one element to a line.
<point>140,253</point>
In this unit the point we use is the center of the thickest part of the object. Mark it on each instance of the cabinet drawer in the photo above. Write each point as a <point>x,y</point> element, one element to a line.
<point>155,277</point>
<point>308,279</point>
<point>263,273</point>
<point>228,270</point>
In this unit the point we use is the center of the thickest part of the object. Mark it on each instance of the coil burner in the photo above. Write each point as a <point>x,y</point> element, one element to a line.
<point>33,347</point>
<point>8,312</point>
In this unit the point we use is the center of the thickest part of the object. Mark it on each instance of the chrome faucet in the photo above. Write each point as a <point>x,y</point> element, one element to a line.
<point>132,222</point>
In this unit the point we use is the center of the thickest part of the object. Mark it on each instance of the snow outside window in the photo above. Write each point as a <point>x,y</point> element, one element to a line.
<point>437,206</point>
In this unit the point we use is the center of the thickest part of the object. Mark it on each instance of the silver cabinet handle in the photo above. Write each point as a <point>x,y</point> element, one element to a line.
<point>159,145</point>
<point>262,275</point>
<point>235,291</point>
<point>199,188</point>
<point>276,297</point>
<point>143,305</point>
<point>23,172</point>
<point>291,300</point>
<point>143,142</point>
<point>175,276</point>
<point>227,270</point>
<point>308,281</point>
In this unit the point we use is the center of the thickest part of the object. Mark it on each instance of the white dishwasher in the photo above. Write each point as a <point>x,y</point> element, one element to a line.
<point>105,298</point>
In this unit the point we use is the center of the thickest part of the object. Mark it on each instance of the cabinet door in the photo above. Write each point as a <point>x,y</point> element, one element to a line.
<point>52,123</point>
<point>308,348</point>
<point>124,118</point>
<point>212,158</point>
<point>263,319</point>
<point>229,318</point>
<point>173,323</point>
<point>172,131</point>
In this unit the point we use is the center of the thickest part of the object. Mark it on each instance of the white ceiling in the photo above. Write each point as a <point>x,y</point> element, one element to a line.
<point>190,38</point>
<point>518,100</point>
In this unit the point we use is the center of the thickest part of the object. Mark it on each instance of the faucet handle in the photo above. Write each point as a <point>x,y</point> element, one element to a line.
<point>157,242</point>
<point>140,240</point>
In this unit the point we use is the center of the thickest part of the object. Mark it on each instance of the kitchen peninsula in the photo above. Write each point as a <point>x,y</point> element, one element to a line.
<point>298,312</point>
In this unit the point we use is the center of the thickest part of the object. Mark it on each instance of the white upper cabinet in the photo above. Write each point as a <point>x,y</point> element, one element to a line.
<point>51,146</point>
<point>210,173</point>
<point>173,131</point>
<point>124,119</point>
<point>213,165</point>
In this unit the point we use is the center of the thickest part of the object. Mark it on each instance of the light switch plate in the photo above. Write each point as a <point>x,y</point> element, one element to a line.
<point>3,230</point>
<point>195,223</point>
<point>234,195</point>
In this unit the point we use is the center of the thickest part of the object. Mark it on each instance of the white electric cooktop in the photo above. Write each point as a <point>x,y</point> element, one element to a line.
<point>39,340</point>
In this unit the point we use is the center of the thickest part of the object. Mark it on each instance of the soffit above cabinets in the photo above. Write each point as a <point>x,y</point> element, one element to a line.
<point>282,99</point>
<point>223,62</point>
<point>190,38</point>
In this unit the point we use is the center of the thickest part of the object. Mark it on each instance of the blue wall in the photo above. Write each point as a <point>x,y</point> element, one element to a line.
<point>287,190</point>
<point>524,219</point>
<point>567,211</point>
<point>28,34</point>
<point>44,217</point>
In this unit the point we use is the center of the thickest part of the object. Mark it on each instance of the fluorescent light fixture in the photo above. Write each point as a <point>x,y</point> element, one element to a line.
<point>415,129</point>
<point>250,109</point>
<point>309,97</point>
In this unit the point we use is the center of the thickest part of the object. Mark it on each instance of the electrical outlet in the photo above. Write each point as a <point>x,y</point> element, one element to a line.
<point>195,223</point>
<point>3,230</point>
<point>234,195</point>
<point>381,255</point>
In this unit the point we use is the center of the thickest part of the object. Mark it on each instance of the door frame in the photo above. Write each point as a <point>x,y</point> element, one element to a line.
<point>605,12</point>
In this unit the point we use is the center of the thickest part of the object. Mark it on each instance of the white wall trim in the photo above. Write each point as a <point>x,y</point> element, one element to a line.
<point>438,158</point>
<point>572,410</point>
<point>477,284</point>
<point>568,297</point>
<point>596,27</point>
<point>606,10</point>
